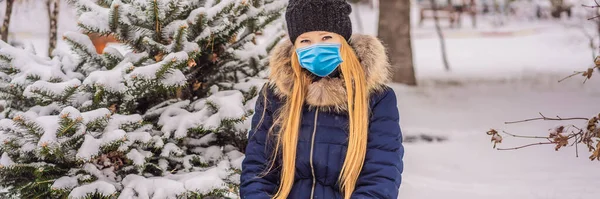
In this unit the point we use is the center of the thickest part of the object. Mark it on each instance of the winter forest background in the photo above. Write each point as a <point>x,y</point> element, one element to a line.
<point>162,110</point>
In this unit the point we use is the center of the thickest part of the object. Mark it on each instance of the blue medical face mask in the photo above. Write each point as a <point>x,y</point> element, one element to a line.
<point>320,59</point>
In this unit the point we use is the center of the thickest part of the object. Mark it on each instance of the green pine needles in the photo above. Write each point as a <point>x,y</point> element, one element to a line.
<point>164,117</point>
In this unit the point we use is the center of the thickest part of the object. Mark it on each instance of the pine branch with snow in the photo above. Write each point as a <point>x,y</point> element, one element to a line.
<point>57,151</point>
<point>219,37</point>
<point>166,120</point>
<point>26,76</point>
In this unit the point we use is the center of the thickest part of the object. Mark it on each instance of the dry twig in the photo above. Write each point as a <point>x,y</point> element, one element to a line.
<point>520,136</point>
<point>560,136</point>
<point>547,118</point>
<point>595,6</point>
<point>520,147</point>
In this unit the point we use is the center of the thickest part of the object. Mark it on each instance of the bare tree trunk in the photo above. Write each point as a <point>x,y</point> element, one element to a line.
<point>394,31</point>
<point>473,12</point>
<point>53,24</point>
<point>6,23</point>
<point>438,29</point>
<point>49,8</point>
<point>598,33</point>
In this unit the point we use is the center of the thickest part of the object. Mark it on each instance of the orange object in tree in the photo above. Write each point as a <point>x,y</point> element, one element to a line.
<point>100,41</point>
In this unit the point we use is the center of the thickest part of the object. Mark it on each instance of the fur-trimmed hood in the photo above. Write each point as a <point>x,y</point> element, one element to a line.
<point>330,93</point>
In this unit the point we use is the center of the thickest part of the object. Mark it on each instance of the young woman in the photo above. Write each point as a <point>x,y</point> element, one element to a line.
<point>325,125</point>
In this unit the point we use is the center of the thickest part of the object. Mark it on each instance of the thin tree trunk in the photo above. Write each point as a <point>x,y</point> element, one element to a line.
<point>49,8</point>
<point>394,31</point>
<point>53,25</point>
<point>438,29</point>
<point>473,12</point>
<point>6,23</point>
<point>598,33</point>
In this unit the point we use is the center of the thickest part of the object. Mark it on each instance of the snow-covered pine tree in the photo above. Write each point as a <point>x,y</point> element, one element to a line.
<point>166,120</point>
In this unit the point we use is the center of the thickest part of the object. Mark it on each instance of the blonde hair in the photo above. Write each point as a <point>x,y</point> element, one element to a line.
<point>290,115</point>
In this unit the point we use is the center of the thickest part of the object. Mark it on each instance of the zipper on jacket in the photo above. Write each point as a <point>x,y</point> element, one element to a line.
<point>312,147</point>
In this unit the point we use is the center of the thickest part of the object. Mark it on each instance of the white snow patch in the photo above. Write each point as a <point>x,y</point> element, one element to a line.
<point>46,110</point>
<point>205,182</point>
<point>174,78</point>
<point>143,137</point>
<point>149,72</point>
<point>191,47</point>
<point>101,187</point>
<point>5,160</point>
<point>49,125</point>
<point>229,104</point>
<point>30,65</point>
<point>237,163</point>
<point>111,80</point>
<point>203,141</point>
<point>91,146</point>
<point>212,153</point>
<point>157,187</point>
<point>169,149</point>
<point>249,51</point>
<point>234,154</point>
<point>173,27</point>
<point>137,158</point>
<point>95,115</point>
<point>163,164</point>
<point>97,19</point>
<point>117,120</point>
<point>160,108</point>
<point>112,51</point>
<point>65,182</point>
<point>56,89</point>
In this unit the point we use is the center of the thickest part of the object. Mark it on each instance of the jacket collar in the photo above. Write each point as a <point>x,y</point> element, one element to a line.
<point>330,93</point>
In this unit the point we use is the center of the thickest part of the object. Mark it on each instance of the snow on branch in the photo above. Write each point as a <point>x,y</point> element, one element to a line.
<point>166,120</point>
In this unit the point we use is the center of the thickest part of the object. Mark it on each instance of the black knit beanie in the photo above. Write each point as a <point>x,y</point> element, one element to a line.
<point>318,15</point>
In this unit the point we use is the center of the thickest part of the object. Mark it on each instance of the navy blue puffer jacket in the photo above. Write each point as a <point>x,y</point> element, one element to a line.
<point>323,133</point>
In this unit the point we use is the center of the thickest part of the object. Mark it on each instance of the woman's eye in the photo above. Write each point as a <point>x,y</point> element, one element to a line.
<point>325,38</point>
<point>305,41</point>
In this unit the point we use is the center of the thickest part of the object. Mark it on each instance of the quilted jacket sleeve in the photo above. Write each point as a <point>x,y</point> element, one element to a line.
<point>258,152</point>
<point>382,172</point>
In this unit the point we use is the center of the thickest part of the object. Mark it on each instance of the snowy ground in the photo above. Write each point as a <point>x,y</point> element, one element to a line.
<point>495,78</point>
<point>465,166</point>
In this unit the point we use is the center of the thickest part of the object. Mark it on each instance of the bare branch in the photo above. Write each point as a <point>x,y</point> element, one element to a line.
<point>576,148</point>
<point>575,73</point>
<point>596,6</point>
<point>589,6</point>
<point>580,130</point>
<point>593,17</point>
<point>521,136</point>
<point>547,118</point>
<point>520,147</point>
